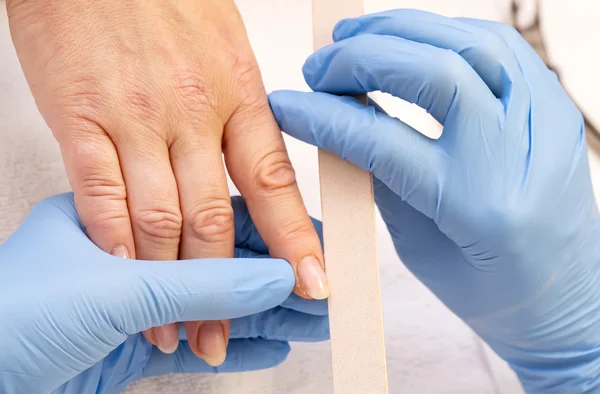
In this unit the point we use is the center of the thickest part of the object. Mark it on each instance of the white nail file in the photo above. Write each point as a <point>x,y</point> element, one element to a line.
<point>348,209</point>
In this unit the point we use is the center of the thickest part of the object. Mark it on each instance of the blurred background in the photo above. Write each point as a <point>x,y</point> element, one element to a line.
<point>429,350</point>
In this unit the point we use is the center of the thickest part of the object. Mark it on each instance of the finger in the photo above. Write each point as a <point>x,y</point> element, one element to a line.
<point>531,147</point>
<point>153,202</point>
<point>311,307</point>
<point>533,68</point>
<point>242,355</point>
<point>282,324</point>
<point>437,80</point>
<point>248,239</point>
<point>152,294</point>
<point>260,167</point>
<point>279,324</point>
<point>246,233</point>
<point>490,57</point>
<point>410,163</point>
<point>208,229</point>
<point>94,172</point>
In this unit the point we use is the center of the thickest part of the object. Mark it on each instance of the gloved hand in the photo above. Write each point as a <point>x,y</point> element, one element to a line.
<point>497,217</point>
<point>70,314</point>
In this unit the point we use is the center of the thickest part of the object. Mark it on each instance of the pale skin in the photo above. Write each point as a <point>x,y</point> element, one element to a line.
<point>145,98</point>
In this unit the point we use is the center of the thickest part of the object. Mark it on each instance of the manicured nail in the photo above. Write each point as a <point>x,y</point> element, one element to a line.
<point>167,338</point>
<point>120,251</point>
<point>211,343</point>
<point>312,278</point>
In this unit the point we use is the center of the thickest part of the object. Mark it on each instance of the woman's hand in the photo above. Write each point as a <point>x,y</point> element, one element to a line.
<point>497,217</point>
<point>71,314</point>
<point>144,97</point>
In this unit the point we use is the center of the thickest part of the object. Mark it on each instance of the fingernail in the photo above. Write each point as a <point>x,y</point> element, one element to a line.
<point>312,278</point>
<point>167,338</point>
<point>211,343</point>
<point>120,251</point>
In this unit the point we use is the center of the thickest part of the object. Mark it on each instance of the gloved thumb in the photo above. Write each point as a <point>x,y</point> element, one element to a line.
<point>156,293</point>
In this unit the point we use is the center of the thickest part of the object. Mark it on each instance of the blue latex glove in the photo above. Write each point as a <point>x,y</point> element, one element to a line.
<point>497,217</point>
<point>70,314</point>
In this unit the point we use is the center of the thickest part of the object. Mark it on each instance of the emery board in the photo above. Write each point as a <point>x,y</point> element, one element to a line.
<point>348,210</point>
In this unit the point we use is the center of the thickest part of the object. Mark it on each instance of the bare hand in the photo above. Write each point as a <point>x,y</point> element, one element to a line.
<point>144,97</point>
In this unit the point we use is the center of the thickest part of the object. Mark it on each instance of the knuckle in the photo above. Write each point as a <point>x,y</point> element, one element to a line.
<point>448,73</point>
<point>140,101</point>
<point>245,70</point>
<point>500,220</point>
<point>212,221</point>
<point>98,182</point>
<point>251,93</point>
<point>77,106</point>
<point>295,230</point>
<point>453,67</point>
<point>492,46</point>
<point>106,221</point>
<point>508,32</point>
<point>97,176</point>
<point>274,174</point>
<point>161,224</point>
<point>193,91</point>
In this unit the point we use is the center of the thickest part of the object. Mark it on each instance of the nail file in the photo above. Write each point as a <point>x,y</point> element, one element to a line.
<point>348,209</point>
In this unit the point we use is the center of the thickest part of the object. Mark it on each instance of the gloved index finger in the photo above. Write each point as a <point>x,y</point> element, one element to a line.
<point>413,165</point>
<point>437,80</point>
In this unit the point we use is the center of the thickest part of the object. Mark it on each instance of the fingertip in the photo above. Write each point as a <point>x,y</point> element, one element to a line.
<point>292,111</point>
<point>285,283</point>
<point>254,355</point>
<point>280,352</point>
<point>346,28</point>
<point>312,280</point>
<point>314,70</point>
<point>277,101</point>
<point>280,99</point>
